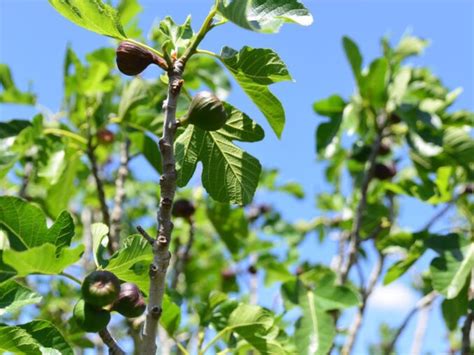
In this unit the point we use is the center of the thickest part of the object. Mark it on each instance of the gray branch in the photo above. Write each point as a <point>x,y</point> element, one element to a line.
<point>160,246</point>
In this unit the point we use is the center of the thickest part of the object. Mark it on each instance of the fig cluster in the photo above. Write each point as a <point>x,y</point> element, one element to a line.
<point>102,293</point>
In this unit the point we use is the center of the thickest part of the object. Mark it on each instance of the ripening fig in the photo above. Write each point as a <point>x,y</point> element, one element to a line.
<point>130,302</point>
<point>206,112</point>
<point>105,136</point>
<point>385,172</point>
<point>132,59</point>
<point>183,208</point>
<point>89,318</point>
<point>100,288</point>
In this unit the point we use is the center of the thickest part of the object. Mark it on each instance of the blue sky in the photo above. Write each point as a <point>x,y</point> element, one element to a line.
<point>33,38</point>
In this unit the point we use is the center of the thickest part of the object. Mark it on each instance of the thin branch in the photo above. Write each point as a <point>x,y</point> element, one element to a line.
<point>25,181</point>
<point>145,235</point>
<point>100,185</point>
<point>422,303</point>
<point>114,348</point>
<point>183,257</point>
<point>357,322</point>
<point>420,331</point>
<point>466,334</point>
<point>357,225</point>
<point>117,212</point>
<point>440,214</point>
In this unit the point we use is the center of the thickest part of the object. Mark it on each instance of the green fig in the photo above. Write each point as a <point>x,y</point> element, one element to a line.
<point>206,112</point>
<point>89,318</point>
<point>100,288</point>
<point>130,302</point>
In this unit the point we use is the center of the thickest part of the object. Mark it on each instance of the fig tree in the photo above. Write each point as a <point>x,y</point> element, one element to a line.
<point>100,288</point>
<point>130,302</point>
<point>89,318</point>
<point>206,112</point>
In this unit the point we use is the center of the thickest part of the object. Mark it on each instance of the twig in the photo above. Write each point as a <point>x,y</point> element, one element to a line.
<point>25,181</point>
<point>100,186</point>
<point>357,322</point>
<point>367,178</point>
<point>145,235</point>
<point>114,348</point>
<point>182,258</point>
<point>116,215</point>
<point>420,330</point>
<point>466,334</point>
<point>440,214</point>
<point>422,303</point>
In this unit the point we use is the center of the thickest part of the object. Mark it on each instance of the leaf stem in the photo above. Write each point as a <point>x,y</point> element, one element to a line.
<point>206,52</point>
<point>65,133</point>
<point>71,277</point>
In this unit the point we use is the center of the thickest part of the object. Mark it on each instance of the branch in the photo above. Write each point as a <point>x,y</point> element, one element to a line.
<point>357,322</point>
<point>114,348</point>
<point>440,213</point>
<point>182,258</point>
<point>420,331</point>
<point>100,186</point>
<point>161,253</point>
<point>466,334</point>
<point>422,303</point>
<point>117,212</point>
<point>367,178</point>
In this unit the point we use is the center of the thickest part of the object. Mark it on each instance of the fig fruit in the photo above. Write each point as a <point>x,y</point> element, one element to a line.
<point>105,136</point>
<point>132,59</point>
<point>130,302</point>
<point>89,318</point>
<point>384,149</point>
<point>252,269</point>
<point>206,112</point>
<point>394,118</point>
<point>100,288</point>
<point>384,172</point>
<point>183,208</point>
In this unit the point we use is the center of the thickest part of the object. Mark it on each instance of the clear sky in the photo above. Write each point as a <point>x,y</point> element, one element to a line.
<point>33,38</point>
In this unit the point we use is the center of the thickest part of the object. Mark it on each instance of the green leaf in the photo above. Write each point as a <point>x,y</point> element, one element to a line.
<point>229,174</point>
<point>172,36</point>
<point>315,329</point>
<point>353,56</point>
<point>100,240</point>
<point>131,263</point>
<point>409,46</point>
<point>10,93</point>
<point>12,128</point>
<point>255,69</point>
<point>14,296</point>
<point>453,309</point>
<point>171,316</point>
<point>257,326</point>
<point>134,94</point>
<point>333,105</point>
<point>92,15</point>
<point>326,132</point>
<point>373,85</point>
<point>451,269</point>
<point>44,259</point>
<point>36,337</point>
<point>230,223</point>
<point>264,15</point>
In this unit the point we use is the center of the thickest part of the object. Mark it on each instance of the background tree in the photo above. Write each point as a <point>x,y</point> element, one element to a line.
<point>396,136</point>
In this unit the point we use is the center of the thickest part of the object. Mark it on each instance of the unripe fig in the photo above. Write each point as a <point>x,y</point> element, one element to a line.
<point>100,288</point>
<point>130,302</point>
<point>132,59</point>
<point>105,136</point>
<point>89,318</point>
<point>384,172</point>
<point>183,208</point>
<point>206,112</point>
